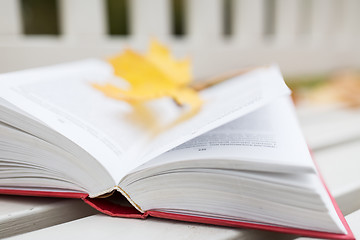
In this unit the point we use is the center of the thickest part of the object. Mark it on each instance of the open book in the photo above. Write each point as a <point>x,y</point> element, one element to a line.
<point>240,161</point>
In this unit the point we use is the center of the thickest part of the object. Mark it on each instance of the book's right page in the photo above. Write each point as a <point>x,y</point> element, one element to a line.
<point>268,139</point>
<point>223,103</point>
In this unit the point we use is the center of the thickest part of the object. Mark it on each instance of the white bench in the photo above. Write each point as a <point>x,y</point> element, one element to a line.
<point>338,161</point>
<point>306,37</point>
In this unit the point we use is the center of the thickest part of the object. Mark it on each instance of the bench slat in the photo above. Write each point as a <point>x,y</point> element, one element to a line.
<point>249,21</point>
<point>326,127</point>
<point>340,168</point>
<point>20,214</point>
<point>150,19</point>
<point>204,27</point>
<point>10,26</point>
<point>353,220</point>
<point>104,227</point>
<point>286,21</point>
<point>83,21</point>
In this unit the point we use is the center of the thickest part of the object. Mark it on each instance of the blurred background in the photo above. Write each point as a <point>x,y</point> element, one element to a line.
<point>311,40</point>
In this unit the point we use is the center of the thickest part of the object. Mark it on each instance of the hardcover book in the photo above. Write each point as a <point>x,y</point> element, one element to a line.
<point>240,161</point>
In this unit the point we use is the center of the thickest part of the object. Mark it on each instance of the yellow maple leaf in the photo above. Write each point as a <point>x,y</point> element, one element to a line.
<point>153,75</point>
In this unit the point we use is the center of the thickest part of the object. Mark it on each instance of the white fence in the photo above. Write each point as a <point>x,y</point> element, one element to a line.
<point>305,40</point>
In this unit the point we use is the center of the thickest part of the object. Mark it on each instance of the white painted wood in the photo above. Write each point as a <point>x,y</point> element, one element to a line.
<point>304,19</point>
<point>351,31</point>
<point>204,21</point>
<point>340,166</point>
<point>323,20</point>
<point>23,214</point>
<point>9,19</point>
<point>330,127</point>
<point>249,21</point>
<point>286,21</point>
<point>83,21</point>
<point>208,61</point>
<point>353,220</point>
<point>150,19</point>
<point>104,227</point>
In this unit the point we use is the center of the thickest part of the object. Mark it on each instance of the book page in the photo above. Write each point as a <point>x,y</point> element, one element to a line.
<point>268,139</point>
<point>62,98</point>
<point>223,103</point>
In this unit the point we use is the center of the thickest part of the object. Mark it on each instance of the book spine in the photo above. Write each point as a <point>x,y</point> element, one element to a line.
<point>106,206</point>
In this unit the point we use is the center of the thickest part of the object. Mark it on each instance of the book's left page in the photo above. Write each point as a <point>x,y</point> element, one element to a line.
<point>72,114</point>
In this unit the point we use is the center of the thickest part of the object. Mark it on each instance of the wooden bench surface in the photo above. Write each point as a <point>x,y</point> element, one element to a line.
<point>332,133</point>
